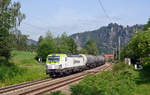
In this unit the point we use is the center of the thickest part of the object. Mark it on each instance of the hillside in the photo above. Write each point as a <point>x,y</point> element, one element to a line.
<point>31,42</point>
<point>106,37</point>
<point>21,67</point>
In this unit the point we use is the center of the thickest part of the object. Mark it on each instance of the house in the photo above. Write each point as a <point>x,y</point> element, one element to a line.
<point>109,56</point>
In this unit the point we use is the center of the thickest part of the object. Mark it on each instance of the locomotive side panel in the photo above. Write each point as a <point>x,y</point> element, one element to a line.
<point>62,64</point>
<point>74,62</point>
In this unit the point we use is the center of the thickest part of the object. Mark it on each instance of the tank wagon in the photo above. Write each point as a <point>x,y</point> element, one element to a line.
<point>63,64</point>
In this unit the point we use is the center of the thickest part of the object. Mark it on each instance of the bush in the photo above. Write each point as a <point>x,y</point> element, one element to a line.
<point>56,93</point>
<point>22,67</point>
<point>110,60</point>
<point>146,60</point>
<point>120,67</point>
<point>118,82</point>
<point>9,71</point>
<point>46,47</point>
<point>2,59</point>
<point>86,87</point>
<point>138,47</point>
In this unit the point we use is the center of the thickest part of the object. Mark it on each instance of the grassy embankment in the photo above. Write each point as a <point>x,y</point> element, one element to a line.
<point>143,81</point>
<point>21,67</point>
<point>122,80</point>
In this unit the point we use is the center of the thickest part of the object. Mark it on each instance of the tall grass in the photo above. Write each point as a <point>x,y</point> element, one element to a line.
<point>9,70</point>
<point>21,67</point>
<point>23,58</point>
<point>117,82</point>
<point>122,80</point>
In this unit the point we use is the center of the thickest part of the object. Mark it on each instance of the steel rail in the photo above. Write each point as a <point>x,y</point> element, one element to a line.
<point>46,85</point>
<point>54,86</point>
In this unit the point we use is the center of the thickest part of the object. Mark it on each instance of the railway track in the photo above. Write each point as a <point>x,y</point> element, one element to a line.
<point>47,85</point>
<point>21,85</point>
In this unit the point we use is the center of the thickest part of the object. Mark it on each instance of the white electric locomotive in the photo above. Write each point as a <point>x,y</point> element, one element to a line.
<point>63,64</point>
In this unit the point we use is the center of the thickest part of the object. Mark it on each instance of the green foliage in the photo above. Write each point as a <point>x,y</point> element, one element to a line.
<point>9,71</point>
<point>49,45</point>
<point>126,52</point>
<point>72,45</point>
<point>19,41</point>
<point>10,18</point>
<point>21,68</point>
<point>138,47</point>
<point>140,43</point>
<point>66,44</point>
<point>86,87</point>
<point>110,60</point>
<point>146,60</point>
<point>90,48</point>
<point>119,67</point>
<point>83,51</point>
<point>40,39</point>
<point>46,46</point>
<point>31,48</point>
<point>143,83</point>
<point>118,82</point>
<point>23,58</point>
<point>147,26</point>
<point>56,93</point>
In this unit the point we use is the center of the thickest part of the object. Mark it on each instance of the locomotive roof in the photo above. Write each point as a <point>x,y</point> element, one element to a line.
<point>62,55</point>
<point>65,55</point>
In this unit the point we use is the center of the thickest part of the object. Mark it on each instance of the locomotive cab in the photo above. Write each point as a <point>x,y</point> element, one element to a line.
<point>54,62</point>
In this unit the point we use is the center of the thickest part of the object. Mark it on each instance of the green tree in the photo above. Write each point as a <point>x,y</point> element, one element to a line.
<point>40,39</point>
<point>126,52</point>
<point>72,45</point>
<point>10,18</point>
<point>91,48</point>
<point>21,41</point>
<point>62,45</point>
<point>46,46</point>
<point>147,26</point>
<point>138,47</point>
<point>18,40</point>
<point>119,81</point>
<point>66,44</point>
<point>83,51</point>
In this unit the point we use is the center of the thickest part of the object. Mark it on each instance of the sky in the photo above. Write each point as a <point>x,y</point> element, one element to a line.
<point>76,16</point>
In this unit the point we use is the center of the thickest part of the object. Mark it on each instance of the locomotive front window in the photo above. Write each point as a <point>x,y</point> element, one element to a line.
<point>53,59</point>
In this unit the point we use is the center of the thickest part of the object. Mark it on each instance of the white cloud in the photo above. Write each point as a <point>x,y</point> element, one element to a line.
<point>65,20</point>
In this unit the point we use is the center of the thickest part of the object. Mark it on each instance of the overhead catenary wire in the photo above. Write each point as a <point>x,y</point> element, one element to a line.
<point>103,9</point>
<point>109,18</point>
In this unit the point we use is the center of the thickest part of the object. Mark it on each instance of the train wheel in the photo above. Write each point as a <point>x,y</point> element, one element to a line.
<point>52,75</point>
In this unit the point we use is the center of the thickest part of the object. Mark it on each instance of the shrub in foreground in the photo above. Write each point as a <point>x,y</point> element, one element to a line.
<point>120,82</point>
<point>56,93</point>
<point>9,70</point>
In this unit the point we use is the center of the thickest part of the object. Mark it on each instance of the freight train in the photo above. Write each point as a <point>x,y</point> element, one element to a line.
<point>62,64</point>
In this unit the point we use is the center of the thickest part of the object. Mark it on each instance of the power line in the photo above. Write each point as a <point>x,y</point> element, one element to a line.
<point>101,5</point>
